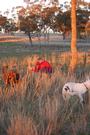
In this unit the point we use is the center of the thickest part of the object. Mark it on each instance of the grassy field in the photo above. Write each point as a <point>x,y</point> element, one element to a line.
<point>21,49</point>
<point>35,106</point>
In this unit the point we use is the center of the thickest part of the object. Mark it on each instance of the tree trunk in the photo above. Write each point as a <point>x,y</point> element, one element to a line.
<point>74,52</point>
<point>30,39</point>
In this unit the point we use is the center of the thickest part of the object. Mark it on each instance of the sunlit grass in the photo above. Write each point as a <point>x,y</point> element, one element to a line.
<point>36,107</point>
<point>11,39</point>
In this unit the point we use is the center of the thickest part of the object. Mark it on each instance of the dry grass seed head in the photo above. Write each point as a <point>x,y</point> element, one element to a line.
<point>22,125</point>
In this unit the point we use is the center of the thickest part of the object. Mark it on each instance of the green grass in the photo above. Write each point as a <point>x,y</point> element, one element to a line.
<point>7,44</point>
<point>19,50</point>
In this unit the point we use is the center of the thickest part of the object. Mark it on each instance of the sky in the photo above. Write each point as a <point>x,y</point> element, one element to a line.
<point>8,4</point>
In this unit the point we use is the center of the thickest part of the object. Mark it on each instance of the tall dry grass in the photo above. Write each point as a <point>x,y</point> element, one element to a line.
<point>36,107</point>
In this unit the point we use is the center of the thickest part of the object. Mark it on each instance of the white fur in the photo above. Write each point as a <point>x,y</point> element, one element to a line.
<point>77,89</point>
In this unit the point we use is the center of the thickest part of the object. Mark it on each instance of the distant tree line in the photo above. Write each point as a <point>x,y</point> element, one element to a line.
<point>37,19</point>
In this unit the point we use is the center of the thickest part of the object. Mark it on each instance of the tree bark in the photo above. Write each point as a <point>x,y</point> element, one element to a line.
<point>74,52</point>
<point>30,39</point>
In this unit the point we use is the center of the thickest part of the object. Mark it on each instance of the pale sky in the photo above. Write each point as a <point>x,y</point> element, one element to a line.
<point>8,4</point>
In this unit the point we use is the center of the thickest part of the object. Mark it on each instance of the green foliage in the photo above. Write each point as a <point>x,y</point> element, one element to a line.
<point>82,19</point>
<point>28,24</point>
<point>3,20</point>
<point>54,17</point>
